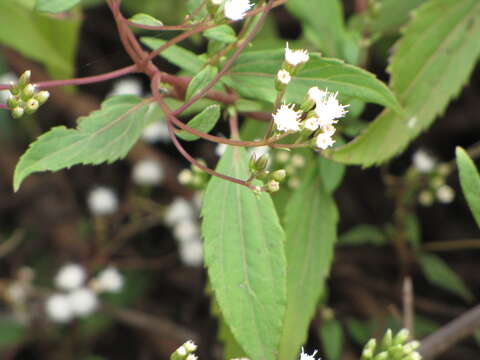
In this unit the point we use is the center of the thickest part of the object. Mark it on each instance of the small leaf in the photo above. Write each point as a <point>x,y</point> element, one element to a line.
<point>105,135</point>
<point>200,80</point>
<point>11,333</point>
<point>363,234</point>
<point>311,227</point>
<point>470,182</point>
<point>145,19</point>
<point>222,33</point>
<point>176,55</point>
<point>245,258</point>
<point>440,274</point>
<point>55,6</point>
<point>331,334</point>
<point>205,122</point>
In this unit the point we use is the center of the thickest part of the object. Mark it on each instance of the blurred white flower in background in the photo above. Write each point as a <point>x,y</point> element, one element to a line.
<point>156,132</point>
<point>127,86</point>
<point>148,172</point>
<point>109,280</point>
<point>70,276</point>
<point>58,308</point>
<point>102,201</point>
<point>423,161</point>
<point>83,301</point>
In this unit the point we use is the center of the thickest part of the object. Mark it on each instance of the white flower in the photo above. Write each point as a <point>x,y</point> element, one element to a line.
<point>58,308</point>
<point>179,210</point>
<point>191,253</point>
<point>148,172</point>
<point>329,109</point>
<point>220,149</point>
<point>324,141</point>
<point>296,57</point>
<point>190,346</point>
<point>311,124</point>
<point>70,276</point>
<point>128,86</point>
<point>445,194</point>
<point>305,356</point>
<point>109,280</point>
<point>186,230</point>
<point>156,131</point>
<point>328,129</point>
<point>315,94</point>
<point>185,176</point>
<point>236,9</point>
<point>217,2</point>
<point>6,78</point>
<point>192,357</point>
<point>102,201</point>
<point>423,161</point>
<point>83,301</point>
<point>287,119</point>
<point>284,76</point>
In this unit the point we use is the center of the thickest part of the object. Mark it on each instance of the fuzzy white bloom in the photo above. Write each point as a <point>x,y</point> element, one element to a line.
<point>284,76</point>
<point>317,95</point>
<point>6,78</point>
<point>186,230</point>
<point>296,57</point>
<point>109,280</point>
<point>83,301</point>
<point>58,308</point>
<point>324,141</point>
<point>329,110</point>
<point>181,351</point>
<point>185,176</point>
<point>305,356</point>
<point>328,129</point>
<point>445,194</point>
<point>236,9</point>
<point>70,276</point>
<point>102,201</point>
<point>148,172</point>
<point>191,253</point>
<point>287,119</point>
<point>128,86</point>
<point>423,161</point>
<point>220,149</point>
<point>192,357</point>
<point>311,124</point>
<point>156,132</point>
<point>179,210</point>
<point>190,346</point>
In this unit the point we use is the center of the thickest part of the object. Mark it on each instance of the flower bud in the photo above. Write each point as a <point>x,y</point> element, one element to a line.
<point>31,106</point>
<point>24,79</point>
<point>273,186</point>
<point>12,102</point>
<point>282,80</point>
<point>367,354</point>
<point>381,356</point>
<point>261,163</point>
<point>28,92</point>
<point>42,97</point>
<point>190,346</point>
<point>278,175</point>
<point>185,177</point>
<point>14,89</point>
<point>369,348</point>
<point>387,340</point>
<point>252,161</point>
<point>262,175</point>
<point>17,112</point>
<point>396,351</point>
<point>401,337</point>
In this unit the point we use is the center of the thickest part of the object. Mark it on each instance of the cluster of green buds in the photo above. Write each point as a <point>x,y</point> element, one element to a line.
<point>270,179</point>
<point>293,164</point>
<point>392,347</point>
<point>185,352</point>
<point>24,97</point>
<point>194,178</point>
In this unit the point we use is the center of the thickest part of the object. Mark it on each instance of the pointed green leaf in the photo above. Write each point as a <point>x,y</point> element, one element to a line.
<point>245,258</point>
<point>470,181</point>
<point>223,33</point>
<point>393,14</point>
<point>331,335</point>
<point>363,234</point>
<point>105,135</point>
<point>177,55</point>
<point>145,19</point>
<point>432,61</point>
<point>55,6</point>
<point>205,122</point>
<point>437,271</point>
<point>311,221</point>
<point>253,76</point>
<point>200,80</point>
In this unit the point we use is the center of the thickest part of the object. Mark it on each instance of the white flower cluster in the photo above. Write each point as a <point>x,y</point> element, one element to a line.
<point>305,356</point>
<point>148,172</point>
<point>236,9</point>
<point>102,201</point>
<point>186,351</point>
<point>182,216</point>
<point>78,299</point>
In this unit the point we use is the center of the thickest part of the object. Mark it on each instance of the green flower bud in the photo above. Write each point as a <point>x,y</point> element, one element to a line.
<point>31,106</point>
<point>252,162</point>
<point>179,354</point>
<point>24,79</point>
<point>185,177</point>
<point>273,186</point>
<point>401,337</point>
<point>12,102</point>
<point>367,354</point>
<point>387,340</point>
<point>396,351</point>
<point>42,97</point>
<point>411,346</point>
<point>196,169</point>
<point>17,112</point>
<point>190,346</point>
<point>262,162</point>
<point>28,92</point>
<point>381,356</point>
<point>14,89</point>
<point>278,175</point>
<point>369,349</point>
<point>262,175</point>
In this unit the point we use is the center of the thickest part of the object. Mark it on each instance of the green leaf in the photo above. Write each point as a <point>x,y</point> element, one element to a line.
<point>363,234</point>
<point>393,14</point>
<point>205,122</point>
<point>200,80</point>
<point>176,55</point>
<point>254,73</point>
<point>55,6</point>
<point>105,135</point>
<point>470,182</point>
<point>11,333</point>
<point>222,33</point>
<point>145,19</point>
<point>331,334</point>
<point>440,274</point>
<point>46,39</point>
<point>432,61</point>
<point>245,258</point>
<point>311,222</point>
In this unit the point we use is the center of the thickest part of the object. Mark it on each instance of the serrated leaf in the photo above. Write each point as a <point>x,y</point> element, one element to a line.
<point>433,59</point>
<point>310,225</point>
<point>245,258</point>
<point>105,135</point>
<point>205,122</point>
<point>440,274</point>
<point>145,19</point>
<point>223,33</point>
<point>176,55</point>
<point>254,73</point>
<point>55,6</point>
<point>200,80</point>
<point>331,335</point>
<point>470,182</point>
